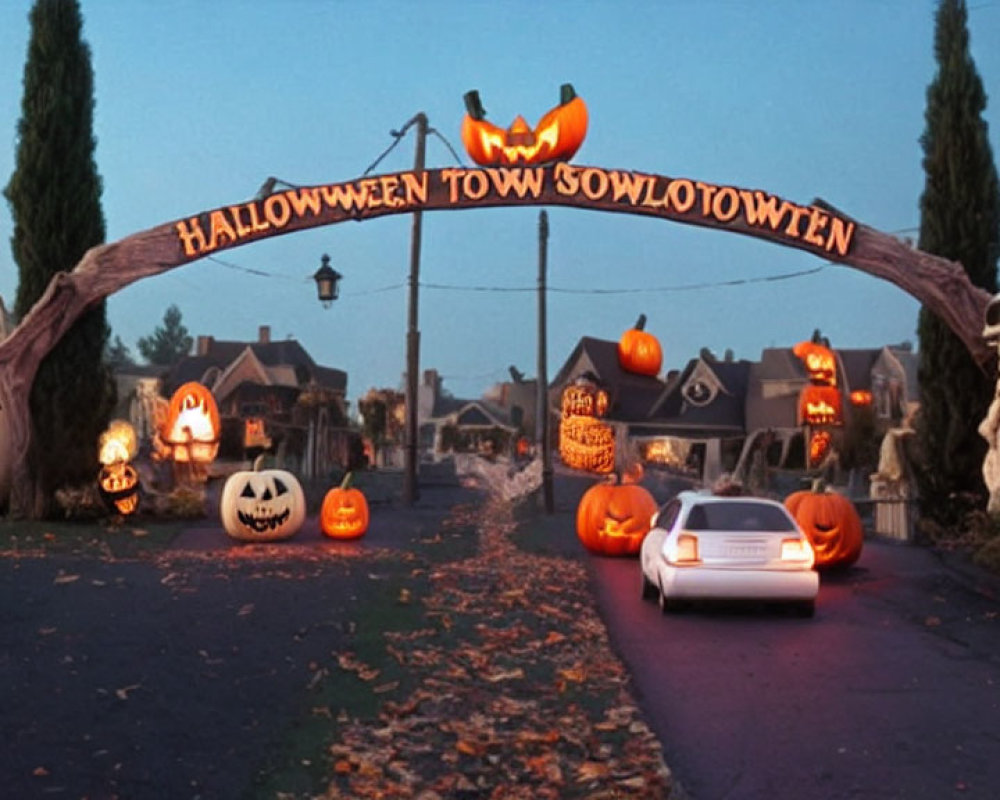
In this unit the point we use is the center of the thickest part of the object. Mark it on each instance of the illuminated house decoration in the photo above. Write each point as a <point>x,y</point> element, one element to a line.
<point>820,405</point>
<point>639,351</point>
<point>861,398</point>
<point>819,446</point>
<point>820,362</point>
<point>585,442</point>
<point>191,429</point>
<point>118,481</point>
<point>556,137</point>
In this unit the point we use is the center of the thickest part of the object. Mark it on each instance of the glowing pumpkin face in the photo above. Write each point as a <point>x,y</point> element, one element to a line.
<point>344,513</point>
<point>819,361</point>
<point>614,519</point>
<point>556,137</point>
<point>117,443</point>
<point>639,351</point>
<point>831,522</point>
<point>192,426</point>
<point>118,484</point>
<point>820,405</point>
<point>262,505</point>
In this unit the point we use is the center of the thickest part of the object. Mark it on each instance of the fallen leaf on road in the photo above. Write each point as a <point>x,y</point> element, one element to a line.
<point>123,693</point>
<point>62,577</point>
<point>244,610</point>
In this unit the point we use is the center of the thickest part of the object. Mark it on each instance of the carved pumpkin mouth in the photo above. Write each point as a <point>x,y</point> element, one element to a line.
<point>263,523</point>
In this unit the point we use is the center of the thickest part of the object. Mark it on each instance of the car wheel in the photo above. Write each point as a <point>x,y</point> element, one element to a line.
<point>648,587</point>
<point>806,609</point>
<point>669,605</point>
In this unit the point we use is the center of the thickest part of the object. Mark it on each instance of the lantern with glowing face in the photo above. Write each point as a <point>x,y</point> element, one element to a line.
<point>344,513</point>
<point>262,505</point>
<point>820,405</point>
<point>556,137</point>
<point>639,351</point>
<point>585,442</point>
<point>820,362</point>
<point>118,481</point>
<point>819,446</point>
<point>831,522</point>
<point>192,427</point>
<point>613,519</point>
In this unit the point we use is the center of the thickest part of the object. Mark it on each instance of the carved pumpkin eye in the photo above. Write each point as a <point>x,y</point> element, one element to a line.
<point>279,488</point>
<point>248,492</point>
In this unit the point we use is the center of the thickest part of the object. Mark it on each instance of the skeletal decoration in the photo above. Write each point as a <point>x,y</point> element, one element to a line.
<point>989,428</point>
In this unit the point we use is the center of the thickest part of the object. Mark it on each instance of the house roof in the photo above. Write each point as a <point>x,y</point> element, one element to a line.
<point>283,361</point>
<point>722,410</point>
<point>857,368</point>
<point>631,396</point>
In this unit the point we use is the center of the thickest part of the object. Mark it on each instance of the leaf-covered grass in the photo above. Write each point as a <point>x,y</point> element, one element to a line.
<point>104,538</point>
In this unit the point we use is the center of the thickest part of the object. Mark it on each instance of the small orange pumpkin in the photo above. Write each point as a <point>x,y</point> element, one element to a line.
<point>639,351</point>
<point>556,137</point>
<point>344,513</point>
<point>612,519</point>
<point>831,522</point>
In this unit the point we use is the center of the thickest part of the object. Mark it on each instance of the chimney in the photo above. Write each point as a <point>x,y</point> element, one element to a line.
<point>264,334</point>
<point>204,345</point>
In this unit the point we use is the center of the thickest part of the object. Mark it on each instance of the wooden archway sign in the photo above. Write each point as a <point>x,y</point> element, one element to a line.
<point>940,285</point>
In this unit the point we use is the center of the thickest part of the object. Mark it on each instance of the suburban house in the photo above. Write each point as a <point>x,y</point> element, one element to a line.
<point>713,416</point>
<point>448,424</point>
<point>270,395</point>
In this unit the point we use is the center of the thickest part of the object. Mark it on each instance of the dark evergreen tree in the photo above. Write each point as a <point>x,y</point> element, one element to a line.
<point>959,220</point>
<point>118,356</point>
<point>55,200</point>
<point>168,343</point>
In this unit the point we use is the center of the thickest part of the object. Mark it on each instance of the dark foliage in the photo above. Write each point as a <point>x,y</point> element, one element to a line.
<point>959,220</point>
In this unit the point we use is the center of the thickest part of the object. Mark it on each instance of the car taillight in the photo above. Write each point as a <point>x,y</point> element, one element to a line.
<point>684,551</point>
<point>798,550</point>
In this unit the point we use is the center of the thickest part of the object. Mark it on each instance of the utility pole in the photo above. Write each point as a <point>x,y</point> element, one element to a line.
<point>410,489</point>
<point>542,381</point>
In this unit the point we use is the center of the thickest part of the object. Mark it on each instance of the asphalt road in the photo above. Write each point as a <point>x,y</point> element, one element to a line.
<point>891,691</point>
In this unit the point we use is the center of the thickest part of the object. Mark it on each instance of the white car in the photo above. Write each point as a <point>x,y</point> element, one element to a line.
<point>709,547</point>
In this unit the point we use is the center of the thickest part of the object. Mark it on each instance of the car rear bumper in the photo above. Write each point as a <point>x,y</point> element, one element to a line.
<point>725,584</point>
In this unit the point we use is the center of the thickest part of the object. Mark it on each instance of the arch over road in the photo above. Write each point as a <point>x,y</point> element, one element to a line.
<point>940,285</point>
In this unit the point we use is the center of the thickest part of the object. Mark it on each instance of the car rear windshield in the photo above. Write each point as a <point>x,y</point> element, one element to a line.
<point>738,516</point>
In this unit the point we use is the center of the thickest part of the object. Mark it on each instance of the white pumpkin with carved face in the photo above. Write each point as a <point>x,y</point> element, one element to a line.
<point>263,505</point>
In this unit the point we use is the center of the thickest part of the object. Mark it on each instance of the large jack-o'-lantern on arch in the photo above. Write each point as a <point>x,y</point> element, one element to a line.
<point>534,172</point>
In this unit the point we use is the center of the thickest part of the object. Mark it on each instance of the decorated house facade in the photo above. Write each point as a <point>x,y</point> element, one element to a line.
<point>789,410</point>
<point>271,395</point>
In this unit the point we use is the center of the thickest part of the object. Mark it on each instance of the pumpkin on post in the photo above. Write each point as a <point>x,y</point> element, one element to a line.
<point>613,518</point>
<point>262,505</point>
<point>639,351</point>
<point>830,521</point>
<point>344,513</point>
<point>556,137</point>
<point>118,481</point>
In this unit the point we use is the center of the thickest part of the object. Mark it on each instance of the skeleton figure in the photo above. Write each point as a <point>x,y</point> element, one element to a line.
<point>989,428</point>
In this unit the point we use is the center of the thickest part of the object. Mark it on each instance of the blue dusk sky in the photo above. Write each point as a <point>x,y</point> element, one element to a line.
<point>198,103</point>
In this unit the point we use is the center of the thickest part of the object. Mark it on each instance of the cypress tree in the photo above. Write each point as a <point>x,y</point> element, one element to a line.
<point>54,196</point>
<point>959,220</point>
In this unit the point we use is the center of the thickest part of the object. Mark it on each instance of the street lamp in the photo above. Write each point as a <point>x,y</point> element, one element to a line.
<point>327,278</point>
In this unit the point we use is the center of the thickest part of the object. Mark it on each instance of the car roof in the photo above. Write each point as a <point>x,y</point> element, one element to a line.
<point>691,497</point>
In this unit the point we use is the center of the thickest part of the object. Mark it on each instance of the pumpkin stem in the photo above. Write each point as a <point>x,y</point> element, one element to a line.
<point>640,323</point>
<point>258,463</point>
<point>819,486</point>
<point>567,94</point>
<point>347,480</point>
<point>474,106</point>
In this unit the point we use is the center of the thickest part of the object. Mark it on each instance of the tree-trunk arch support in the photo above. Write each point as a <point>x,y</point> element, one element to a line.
<point>940,285</point>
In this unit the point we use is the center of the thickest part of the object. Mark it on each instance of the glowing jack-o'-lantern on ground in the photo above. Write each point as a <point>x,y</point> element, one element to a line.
<point>639,351</point>
<point>556,137</point>
<point>613,518</point>
<point>819,361</point>
<point>831,522</point>
<point>262,505</point>
<point>585,442</point>
<point>118,481</point>
<point>191,428</point>
<point>344,513</point>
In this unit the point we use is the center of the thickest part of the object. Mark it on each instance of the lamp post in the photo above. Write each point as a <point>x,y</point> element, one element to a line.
<point>327,280</point>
